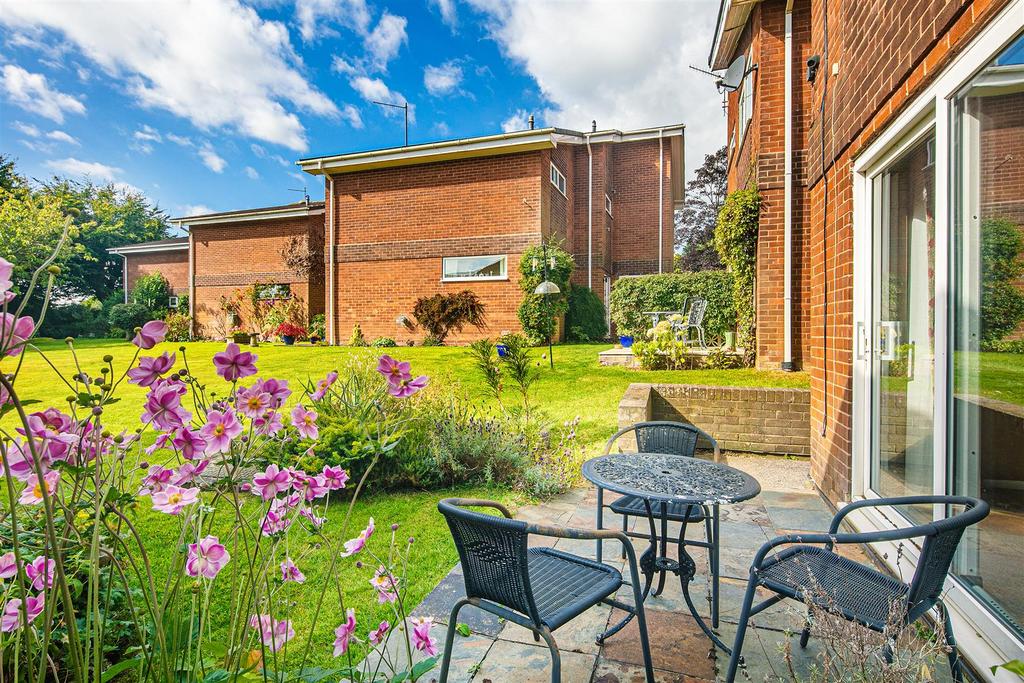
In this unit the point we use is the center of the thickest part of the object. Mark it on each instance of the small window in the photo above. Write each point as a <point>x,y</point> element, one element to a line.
<point>455,268</point>
<point>608,204</point>
<point>273,291</point>
<point>557,179</point>
<point>172,302</point>
<point>746,101</point>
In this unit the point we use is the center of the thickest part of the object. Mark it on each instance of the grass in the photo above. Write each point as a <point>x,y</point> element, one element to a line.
<point>577,386</point>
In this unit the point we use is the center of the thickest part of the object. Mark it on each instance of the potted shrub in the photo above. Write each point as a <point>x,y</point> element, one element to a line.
<point>317,328</point>
<point>238,335</point>
<point>289,333</point>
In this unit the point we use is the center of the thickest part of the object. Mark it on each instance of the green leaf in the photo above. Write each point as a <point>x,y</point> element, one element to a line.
<point>217,676</point>
<point>462,629</point>
<point>122,666</point>
<point>421,668</point>
<point>1014,666</point>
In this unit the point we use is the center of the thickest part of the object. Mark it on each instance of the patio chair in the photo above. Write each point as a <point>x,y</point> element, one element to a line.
<point>540,589</point>
<point>695,321</point>
<point>671,438</point>
<point>855,591</point>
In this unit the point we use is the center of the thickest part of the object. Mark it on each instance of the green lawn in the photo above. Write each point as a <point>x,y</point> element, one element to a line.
<point>577,386</point>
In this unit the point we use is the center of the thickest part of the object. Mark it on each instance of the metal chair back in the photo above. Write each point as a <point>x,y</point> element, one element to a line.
<point>493,552</point>
<point>937,551</point>
<point>695,318</point>
<point>672,438</point>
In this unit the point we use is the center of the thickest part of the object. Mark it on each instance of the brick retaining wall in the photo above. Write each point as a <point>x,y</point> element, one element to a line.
<point>753,419</point>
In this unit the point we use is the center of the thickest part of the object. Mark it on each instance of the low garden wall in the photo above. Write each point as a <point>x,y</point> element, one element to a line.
<point>754,419</point>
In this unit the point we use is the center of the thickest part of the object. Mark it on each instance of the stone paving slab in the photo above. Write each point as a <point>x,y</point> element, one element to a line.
<point>526,663</point>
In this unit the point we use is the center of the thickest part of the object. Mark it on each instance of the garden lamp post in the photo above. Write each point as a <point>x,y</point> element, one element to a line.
<point>546,288</point>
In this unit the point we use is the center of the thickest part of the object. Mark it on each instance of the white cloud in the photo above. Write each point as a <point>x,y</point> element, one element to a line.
<point>350,113</point>
<point>316,16</point>
<point>264,154</point>
<point>42,141</point>
<point>182,140</point>
<point>441,128</point>
<point>639,77</point>
<point>211,159</point>
<point>216,63</point>
<point>386,39</point>
<point>128,188</point>
<point>251,173</point>
<point>343,66</point>
<point>443,79</point>
<point>26,129</point>
<point>89,169</point>
<point>61,136</point>
<point>448,13</point>
<point>517,121</point>
<point>194,210</point>
<point>32,92</point>
<point>376,90</point>
<point>148,134</point>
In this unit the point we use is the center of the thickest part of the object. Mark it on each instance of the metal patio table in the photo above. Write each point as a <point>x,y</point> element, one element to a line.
<point>663,479</point>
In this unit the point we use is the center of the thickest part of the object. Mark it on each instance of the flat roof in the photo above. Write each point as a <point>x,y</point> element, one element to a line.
<point>486,145</point>
<point>296,209</point>
<point>175,244</point>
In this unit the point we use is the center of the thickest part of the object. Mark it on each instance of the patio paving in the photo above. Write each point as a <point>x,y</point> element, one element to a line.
<point>499,651</point>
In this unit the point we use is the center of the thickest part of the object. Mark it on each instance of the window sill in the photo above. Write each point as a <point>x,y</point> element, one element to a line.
<point>500,278</point>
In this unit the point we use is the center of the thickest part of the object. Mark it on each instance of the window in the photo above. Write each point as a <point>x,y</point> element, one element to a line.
<point>608,204</point>
<point>456,268</point>
<point>273,291</point>
<point>557,179</point>
<point>172,302</point>
<point>746,101</point>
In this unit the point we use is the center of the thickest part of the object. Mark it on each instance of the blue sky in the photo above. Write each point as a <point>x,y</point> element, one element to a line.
<point>205,105</point>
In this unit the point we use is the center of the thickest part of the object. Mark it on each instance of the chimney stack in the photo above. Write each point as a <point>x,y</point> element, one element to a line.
<point>593,126</point>
<point>531,121</point>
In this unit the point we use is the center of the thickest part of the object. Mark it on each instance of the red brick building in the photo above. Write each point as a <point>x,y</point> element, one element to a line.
<point>167,257</point>
<point>885,141</point>
<point>442,217</point>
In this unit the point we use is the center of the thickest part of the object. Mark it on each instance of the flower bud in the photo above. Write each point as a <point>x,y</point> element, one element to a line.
<point>74,212</point>
<point>143,465</point>
<point>53,270</point>
<point>411,540</point>
<point>97,410</point>
<point>98,381</point>
<point>182,349</point>
<point>394,527</point>
<point>359,564</point>
<point>104,371</point>
<point>69,340</point>
<point>105,433</point>
<point>108,358</point>
<point>106,387</point>
<point>138,329</point>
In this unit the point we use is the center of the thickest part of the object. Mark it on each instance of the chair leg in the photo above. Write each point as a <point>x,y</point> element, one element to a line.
<point>600,519</point>
<point>955,667</point>
<point>711,533</point>
<point>741,630</point>
<point>805,634</point>
<point>556,658</point>
<point>449,639</point>
<point>625,530</point>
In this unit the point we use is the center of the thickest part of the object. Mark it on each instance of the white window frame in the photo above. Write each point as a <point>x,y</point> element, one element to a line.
<point>745,103</point>
<point>980,634</point>
<point>173,302</point>
<point>480,278</point>
<point>608,205</point>
<point>558,180</point>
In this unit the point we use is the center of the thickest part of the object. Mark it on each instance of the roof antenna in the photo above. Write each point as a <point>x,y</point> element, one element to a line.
<point>305,194</point>
<point>530,120</point>
<point>593,126</point>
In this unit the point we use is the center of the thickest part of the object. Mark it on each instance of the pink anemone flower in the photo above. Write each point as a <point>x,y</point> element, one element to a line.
<point>220,430</point>
<point>407,387</point>
<point>395,371</point>
<point>277,388</point>
<point>273,634</point>
<point>290,572</point>
<point>151,334</point>
<point>253,402</point>
<point>11,619</point>
<point>206,558</point>
<point>377,635</point>
<point>421,636</point>
<point>33,491</point>
<point>305,422</point>
<point>15,333</point>
<point>8,565</point>
<point>232,363</point>
<point>356,544</point>
<point>323,385</point>
<point>151,368</point>
<point>343,634</point>
<point>335,477</point>
<point>40,572</point>
<point>270,482</point>
<point>173,499</point>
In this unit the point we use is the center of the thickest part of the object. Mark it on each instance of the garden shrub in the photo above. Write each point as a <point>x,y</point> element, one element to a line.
<point>736,244</point>
<point>1002,303</point>
<point>357,338</point>
<point>383,343</point>
<point>442,314</point>
<point>632,296</point>
<point>129,316</point>
<point>585,319</point>
<point>431,340</point>
<point>318,326</point>
<point>154,292</point>
<point>1004,346</point>
<point>178,326</point>
<point>538,313</point>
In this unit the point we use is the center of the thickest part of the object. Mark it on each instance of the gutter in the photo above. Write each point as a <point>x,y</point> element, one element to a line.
<point>787,202</point>
<point>590,215</point>
<point>330,268</point>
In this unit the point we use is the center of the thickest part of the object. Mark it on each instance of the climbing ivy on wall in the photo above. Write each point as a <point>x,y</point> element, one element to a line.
<point>736,244</point>
<point>538,314</point>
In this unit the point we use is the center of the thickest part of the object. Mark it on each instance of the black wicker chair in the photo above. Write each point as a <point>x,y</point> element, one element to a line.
<point>858,592</point>
<point>671,438</point>
<point>538,588</point>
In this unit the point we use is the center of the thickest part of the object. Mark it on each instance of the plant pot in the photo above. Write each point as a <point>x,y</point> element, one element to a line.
<point>730,340</point>
<point>287,339</point>
<point>314,340</point>
<point>254,340</point>
<point>626,340</point>
<point>240,337</point>
<point>502,350</point>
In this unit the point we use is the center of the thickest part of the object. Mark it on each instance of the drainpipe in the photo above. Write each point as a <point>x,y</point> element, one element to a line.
<point>124,275</point>
<point>787,202</point>
<point>191,287</point>
<point>330,267</point>
<point>661,200</point>
<point>590,215</point>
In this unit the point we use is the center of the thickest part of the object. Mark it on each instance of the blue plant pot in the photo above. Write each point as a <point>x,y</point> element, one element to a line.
<point>287,339</point>
<point>502,350</point>
<point>626,340</point>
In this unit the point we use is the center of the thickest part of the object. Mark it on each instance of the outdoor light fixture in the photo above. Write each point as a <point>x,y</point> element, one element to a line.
<point>546,288</point>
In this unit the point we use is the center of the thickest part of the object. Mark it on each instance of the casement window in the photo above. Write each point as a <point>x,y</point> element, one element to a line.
<point>608,204</point>
<point>469,268</point>
<point>557,179</point>
<point>268,292</point>
<point>173,302</point>
<point>746,102</point>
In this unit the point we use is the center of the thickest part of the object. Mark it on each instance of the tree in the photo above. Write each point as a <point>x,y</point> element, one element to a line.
<point>695,224</point>
<point>9,177</point>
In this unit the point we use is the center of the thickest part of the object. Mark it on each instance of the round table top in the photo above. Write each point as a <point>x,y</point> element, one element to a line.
<point>671,478</point>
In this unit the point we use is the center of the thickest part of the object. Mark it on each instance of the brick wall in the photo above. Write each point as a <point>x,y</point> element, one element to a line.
<point>232,256</point>
<point>756,420</point>
<point>173,265</point>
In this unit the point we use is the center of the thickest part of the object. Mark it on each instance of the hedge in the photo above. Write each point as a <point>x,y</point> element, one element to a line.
<point>585,320</point>
<point>632,296</point>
